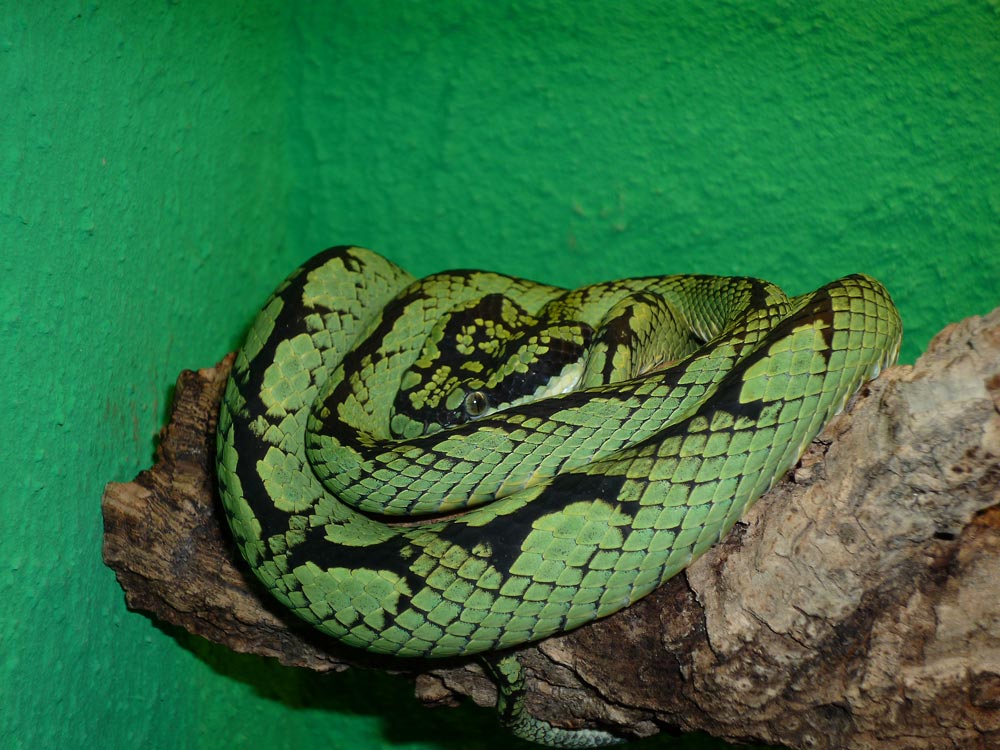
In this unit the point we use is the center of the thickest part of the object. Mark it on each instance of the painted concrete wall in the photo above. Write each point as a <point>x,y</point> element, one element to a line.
<point>163,165</point>
<point>581,141</point>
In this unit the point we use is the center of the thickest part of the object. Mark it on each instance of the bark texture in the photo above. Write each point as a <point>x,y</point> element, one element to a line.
<point>857,605</point>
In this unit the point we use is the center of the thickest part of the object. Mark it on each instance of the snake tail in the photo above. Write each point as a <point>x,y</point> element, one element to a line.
<point>508,674</point>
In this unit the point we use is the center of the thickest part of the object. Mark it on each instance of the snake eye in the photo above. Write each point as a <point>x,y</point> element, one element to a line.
<point>476,403</point>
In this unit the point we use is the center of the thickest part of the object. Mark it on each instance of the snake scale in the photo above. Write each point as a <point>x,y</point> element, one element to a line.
<point>570,450</point>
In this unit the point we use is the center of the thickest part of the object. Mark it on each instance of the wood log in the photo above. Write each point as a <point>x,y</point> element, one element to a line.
<point>857,605</point>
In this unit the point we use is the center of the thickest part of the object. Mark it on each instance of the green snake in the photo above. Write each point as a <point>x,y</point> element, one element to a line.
<point>571,449</point>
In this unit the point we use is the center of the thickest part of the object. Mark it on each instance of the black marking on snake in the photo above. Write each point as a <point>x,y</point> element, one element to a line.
<point>483,352</point>
<point>818,308</point>
<point>386,555</point>
<point>289,322</point>
<point>371,348</point>
<point>497,422</point>
<point>250,449</point>
<point>726,399</point>
<point>821,309</point>
<point>727,396</point>
<point>510,536</point>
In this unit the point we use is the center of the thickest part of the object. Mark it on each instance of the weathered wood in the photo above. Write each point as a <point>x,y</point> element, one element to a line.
<point>856,606</point>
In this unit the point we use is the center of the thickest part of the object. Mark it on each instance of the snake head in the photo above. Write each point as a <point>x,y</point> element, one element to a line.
<point>482,357</point>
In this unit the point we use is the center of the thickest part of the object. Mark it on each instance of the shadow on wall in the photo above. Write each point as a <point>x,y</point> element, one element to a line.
<point>370,693</point>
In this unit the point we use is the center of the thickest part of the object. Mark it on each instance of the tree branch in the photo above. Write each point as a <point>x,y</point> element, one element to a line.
<point>855,606</point>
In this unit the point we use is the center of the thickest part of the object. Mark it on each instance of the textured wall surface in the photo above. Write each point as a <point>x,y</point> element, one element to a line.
<point>141,153</point>
<point>163,165</point>
<point>580,141</point>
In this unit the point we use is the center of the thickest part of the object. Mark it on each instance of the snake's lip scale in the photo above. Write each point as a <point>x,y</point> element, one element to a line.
<point>604,492</point>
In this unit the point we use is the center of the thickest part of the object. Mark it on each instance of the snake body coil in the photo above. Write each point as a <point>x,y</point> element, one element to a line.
<point>360,391</point>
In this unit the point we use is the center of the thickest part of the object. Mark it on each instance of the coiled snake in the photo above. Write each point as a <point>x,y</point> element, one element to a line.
<point>583,446</point>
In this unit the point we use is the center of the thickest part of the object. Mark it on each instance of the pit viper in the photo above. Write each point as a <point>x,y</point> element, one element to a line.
<point>569,450</point>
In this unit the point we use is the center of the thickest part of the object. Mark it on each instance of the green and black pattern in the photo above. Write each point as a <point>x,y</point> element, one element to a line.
<point>595,440</point>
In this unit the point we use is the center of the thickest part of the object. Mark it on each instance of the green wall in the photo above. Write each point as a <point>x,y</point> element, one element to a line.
<point>163,165</point>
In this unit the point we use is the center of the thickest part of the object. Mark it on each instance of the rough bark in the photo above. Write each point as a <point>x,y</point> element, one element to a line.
<point>855,606</point>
